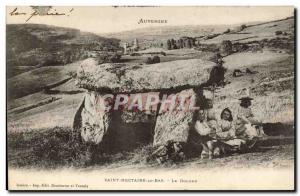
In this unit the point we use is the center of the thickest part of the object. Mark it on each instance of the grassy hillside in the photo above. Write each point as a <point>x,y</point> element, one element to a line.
<point>25,90</point>
<point>34,45</point>
<point>37,79</point>
<point>254,31</point>
<point>39,120</point>
<point>259,31</point>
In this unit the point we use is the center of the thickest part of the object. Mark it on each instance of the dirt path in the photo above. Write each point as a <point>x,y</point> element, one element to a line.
<point>279,157</point>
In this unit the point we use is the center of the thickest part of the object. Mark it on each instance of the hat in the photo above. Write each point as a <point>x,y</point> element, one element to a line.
<point>246,98</point>
<point>208,94</point>
<point>246,95</point>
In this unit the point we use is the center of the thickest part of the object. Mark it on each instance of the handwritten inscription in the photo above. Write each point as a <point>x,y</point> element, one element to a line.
<point>36,12</point>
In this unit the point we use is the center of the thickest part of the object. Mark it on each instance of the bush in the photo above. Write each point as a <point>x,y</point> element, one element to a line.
<point>278,33</point>
<point>226,47</point>
<point>56,147</point>
<point>47,148</point>
<point>242,27</point>
<point>108,58</point>
<point>239,47</point>
<point>189,43</point>
<point>156,59</point>
<point>169,45</point>
<point>115,58</point>
<point>72,74</point>
<point>135,54</point>
<point>148,60</point>
<point>227,31</point>
<point>153,60</point>
<point>163,53</point>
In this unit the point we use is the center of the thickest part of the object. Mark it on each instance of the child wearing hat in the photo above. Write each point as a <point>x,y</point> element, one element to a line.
<point>247,127</point>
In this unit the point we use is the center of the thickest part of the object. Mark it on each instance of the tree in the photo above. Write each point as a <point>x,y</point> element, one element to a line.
<point>193,42</point>
<point>148,60</point>
<point>156,59</point>
<point>173,44</point>
<point>181,43</point>
<point>105,57</point>
<point>178,43</point>
<point>226,47</point>
<point>242,27</point>
<point>169,45</point>
<point>163,53</point>
<point>115,58</point>
<point>153,60</point>
<point>189,43</point>
<point>227,31</point>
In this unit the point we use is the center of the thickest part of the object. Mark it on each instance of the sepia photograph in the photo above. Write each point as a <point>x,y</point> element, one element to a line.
<point>185,98</point>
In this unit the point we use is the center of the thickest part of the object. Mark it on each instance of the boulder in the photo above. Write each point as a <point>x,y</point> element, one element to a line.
<point>90,121</point>
<point>115,129</point>
<point>135,78</point>
<point>173,125</point>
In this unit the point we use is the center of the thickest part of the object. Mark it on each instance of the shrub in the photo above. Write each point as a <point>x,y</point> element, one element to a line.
<point>108,58</point>
<point>48,148</point>
<point>153,60</point>
<point>163,53</point>
<point>148,60</point>
<point>56,147</point>
<point>226,47</point>
<point>227,31</point>
<point>242,27</point>
<point>72,74</point>
<point>189,43</point>
<point>169,45</point>
<point>278,33</point>
<point>115,58</point>
<point>156,59</point>
<point>135,54</point>
<point>181,43</point>
<point>239,47</point>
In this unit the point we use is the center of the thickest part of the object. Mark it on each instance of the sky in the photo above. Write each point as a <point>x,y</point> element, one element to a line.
<point>101,20</point>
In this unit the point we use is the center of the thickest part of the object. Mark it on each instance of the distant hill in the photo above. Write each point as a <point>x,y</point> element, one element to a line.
<point>218,33</point>
<point>158,35</point>
<point>35,45</point>
<point>283,28</point>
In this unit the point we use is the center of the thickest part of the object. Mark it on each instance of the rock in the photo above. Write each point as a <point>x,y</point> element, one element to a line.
<point>171,152</point>
<point>173,125</point>
<point>91,122</point>
<point>121,78</point>
<point>113,129</point>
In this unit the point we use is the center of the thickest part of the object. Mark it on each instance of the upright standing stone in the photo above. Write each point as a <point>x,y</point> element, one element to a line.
<point>91,121</point>
<point>174,125</point>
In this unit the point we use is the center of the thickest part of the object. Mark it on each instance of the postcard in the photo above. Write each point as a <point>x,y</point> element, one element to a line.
<point>150,98</point>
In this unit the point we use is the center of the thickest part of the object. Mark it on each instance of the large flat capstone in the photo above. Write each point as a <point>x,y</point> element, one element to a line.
<point>135,78</point>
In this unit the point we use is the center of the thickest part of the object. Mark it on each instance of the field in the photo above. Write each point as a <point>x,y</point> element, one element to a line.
<point>44,116</point>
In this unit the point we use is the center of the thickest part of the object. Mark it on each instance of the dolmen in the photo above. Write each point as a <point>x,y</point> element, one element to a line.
<point>126,105</point>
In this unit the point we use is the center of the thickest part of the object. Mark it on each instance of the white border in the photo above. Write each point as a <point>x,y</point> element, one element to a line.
<point>295,3</point>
